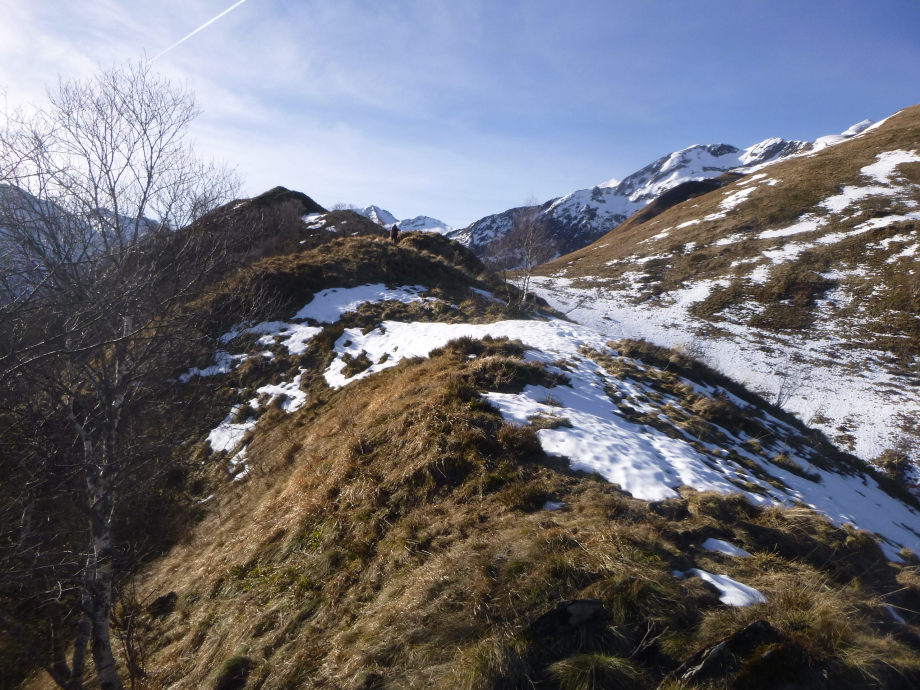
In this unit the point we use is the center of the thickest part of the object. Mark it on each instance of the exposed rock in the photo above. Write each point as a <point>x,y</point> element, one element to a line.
<point>756,657</point>
<point>163,604</point>
<point>569,615</point>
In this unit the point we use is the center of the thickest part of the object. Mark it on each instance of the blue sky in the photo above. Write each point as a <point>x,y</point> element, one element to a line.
<point>460,108</point>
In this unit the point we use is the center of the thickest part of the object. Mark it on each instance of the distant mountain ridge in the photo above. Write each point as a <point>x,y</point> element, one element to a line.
<point>578,219</point>
<point>422,223</point>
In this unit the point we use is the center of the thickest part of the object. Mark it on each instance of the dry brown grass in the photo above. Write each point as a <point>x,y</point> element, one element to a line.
<point>393,538</point>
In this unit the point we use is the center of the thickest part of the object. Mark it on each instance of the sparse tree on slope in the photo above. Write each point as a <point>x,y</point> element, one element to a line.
<point>526,245</point>
<point>97,266</point>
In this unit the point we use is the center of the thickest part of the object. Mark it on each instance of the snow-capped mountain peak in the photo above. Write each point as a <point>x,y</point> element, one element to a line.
<point>422,223</point>
<point>378,215</point>
<point>832,139</point>
<point>425,224</point>
<point>770,150</point>
<point>857,128</point>
<point>577,219</point>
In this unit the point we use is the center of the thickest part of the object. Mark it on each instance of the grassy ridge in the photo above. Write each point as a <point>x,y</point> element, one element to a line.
<point>392,537</point>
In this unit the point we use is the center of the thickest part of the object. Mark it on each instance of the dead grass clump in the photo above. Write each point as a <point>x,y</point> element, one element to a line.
<point>524,495</point>
<point>832,624</point>
<point>787,463</point>
<point>646,599</point>
<point>726,508</point>
<point>233,673</point>
<point>520,442</point>
<point>355,365</point>
<point>495,663</point>
<point>504,374</point>
<point>719,299</point>
<point>549,421</point>
<point>589,671</point>
<point>895,462</point>
<point>465,346</point>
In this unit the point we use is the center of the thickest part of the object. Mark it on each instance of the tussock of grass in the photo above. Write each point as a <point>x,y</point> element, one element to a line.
<point>355,365</point>
<point>549,421</point>
<point>590,671</point>
<point>233,673</point>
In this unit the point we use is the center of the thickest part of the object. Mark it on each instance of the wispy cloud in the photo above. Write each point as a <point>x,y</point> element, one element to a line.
<point>459,109</point>
<point>203,26</point>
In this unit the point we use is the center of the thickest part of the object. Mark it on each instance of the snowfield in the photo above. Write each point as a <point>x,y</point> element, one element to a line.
<point>848,386</point>
<point>597,436</point>
<point>840,386</point>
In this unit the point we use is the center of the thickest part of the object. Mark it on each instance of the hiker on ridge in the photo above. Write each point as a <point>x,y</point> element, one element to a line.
<point>394,234</point>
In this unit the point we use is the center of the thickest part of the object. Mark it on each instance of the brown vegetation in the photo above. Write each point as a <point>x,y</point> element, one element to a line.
<point>392,538</point>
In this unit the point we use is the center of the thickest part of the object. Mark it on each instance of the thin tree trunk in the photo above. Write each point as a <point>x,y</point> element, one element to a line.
<point>99,483</point>
<point>84,630</point>
<point>103,658</point>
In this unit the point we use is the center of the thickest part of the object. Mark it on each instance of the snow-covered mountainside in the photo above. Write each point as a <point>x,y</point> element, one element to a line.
<point>799,279</point>
<point>579,218</point>
<point>420,223</point>
<point>425,224</point>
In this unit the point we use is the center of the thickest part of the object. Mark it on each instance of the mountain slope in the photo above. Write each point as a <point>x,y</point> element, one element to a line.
<point>579,218</point>
<point>798,278</point>
<point>403,484</point>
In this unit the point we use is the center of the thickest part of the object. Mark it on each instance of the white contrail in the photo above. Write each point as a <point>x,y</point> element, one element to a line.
<point>203,26</point>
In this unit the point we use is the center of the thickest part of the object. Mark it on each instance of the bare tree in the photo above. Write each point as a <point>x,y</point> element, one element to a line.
<point>98,264</point>
<point>525,245</point>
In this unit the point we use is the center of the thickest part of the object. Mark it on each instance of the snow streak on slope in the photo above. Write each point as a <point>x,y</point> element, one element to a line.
<point>598,433</point>
<point>731,592</point>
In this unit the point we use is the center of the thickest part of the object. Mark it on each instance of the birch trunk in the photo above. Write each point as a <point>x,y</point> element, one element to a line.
<point>102,505</point>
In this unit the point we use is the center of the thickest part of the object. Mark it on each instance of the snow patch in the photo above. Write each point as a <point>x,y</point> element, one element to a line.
<point>731,592</point>
<point>719,546</point>
<point>329,305</point>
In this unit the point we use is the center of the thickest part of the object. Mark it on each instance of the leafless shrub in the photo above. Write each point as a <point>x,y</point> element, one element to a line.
<point>516,254</point>
<point>98,189</point>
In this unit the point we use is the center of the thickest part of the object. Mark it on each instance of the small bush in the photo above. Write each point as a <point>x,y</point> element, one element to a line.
<point>520,441</point>
<point>355,365</point>
<point>233,673</point>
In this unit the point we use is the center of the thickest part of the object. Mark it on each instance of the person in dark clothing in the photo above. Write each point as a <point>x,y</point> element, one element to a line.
<point>394,234</point>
